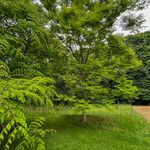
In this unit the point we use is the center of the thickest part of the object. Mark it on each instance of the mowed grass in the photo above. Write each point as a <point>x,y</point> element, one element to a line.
<point>113,128</point>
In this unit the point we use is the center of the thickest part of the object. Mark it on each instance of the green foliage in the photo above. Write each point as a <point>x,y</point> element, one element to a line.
<point>37,91</point>
<point>34,138</point>
<point>12,121</point>
<point>23,38</point>
<point>4,70</point>
<point>103,78</point>
<point>15,128</point>
<point>24,52</point>
<point>70,41</point>
<point>97,61</point>
<point>141,45</point>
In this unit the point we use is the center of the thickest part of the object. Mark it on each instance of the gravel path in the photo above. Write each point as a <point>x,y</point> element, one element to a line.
<point>143,110</point>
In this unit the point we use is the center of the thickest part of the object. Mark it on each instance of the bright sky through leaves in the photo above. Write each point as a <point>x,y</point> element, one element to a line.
<point>145,25</point>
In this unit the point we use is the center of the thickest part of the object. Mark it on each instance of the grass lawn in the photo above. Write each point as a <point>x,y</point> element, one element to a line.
<point>114,128</point>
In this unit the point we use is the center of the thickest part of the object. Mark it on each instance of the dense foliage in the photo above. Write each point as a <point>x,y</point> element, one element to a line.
<point>14,93</point>
<point>23,51</point>
<point>59,51</point>
<point>141,44</point>
<point>97,60</point>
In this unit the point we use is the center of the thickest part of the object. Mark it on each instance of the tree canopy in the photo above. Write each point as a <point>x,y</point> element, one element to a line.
<point>60,51</point>
<point>141,44</point>
<point>97,61</point>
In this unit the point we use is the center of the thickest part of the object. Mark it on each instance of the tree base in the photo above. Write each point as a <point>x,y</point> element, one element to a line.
<point>84,117</point>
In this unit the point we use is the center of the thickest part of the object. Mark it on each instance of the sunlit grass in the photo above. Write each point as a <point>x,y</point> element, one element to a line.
<point>113,128</point>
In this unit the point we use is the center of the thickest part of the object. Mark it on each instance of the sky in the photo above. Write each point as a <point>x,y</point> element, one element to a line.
<point>146,13</point>
<point>146,24</point>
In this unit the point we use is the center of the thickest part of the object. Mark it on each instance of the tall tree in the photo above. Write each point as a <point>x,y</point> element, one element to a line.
<point>97,60</point>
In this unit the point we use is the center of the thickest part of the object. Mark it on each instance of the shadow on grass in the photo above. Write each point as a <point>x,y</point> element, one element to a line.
<point>67,122</point>
<point>123,118</point>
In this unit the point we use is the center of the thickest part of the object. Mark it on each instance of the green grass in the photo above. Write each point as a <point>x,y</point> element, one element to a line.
<point>114,128</point>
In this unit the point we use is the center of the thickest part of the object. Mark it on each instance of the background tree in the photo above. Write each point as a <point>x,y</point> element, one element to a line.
<point>141,45</point>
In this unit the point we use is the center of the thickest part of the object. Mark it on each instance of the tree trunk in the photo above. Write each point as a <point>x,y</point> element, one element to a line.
<point>84,117</point>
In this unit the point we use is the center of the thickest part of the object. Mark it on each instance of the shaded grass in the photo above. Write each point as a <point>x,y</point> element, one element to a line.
<point>113,128</point>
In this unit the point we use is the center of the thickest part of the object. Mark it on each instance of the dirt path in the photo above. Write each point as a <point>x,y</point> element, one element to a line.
<point>143,110</point>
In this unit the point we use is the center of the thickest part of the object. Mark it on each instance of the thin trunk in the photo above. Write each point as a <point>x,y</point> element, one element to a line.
<point>84,117</point>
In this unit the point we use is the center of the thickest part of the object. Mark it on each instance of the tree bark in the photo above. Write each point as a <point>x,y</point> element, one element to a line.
<point>84,117</point>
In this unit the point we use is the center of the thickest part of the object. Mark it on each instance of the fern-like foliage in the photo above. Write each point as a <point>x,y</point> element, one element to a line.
<point>34,139</point>
<point>12,123</point>
<point>24,51</point>
<point>4,70</point>
<point>15,128</point>
<point>37,92</point>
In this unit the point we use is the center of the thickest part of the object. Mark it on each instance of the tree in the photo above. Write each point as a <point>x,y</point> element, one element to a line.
<point>97,60</point>
<point>25,43</point>
<point>141,45</point>
<point>25,49</point>
<point>15,93</point>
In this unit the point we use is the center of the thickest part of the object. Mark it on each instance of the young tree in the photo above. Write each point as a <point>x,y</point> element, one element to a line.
<point>97,60</point>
